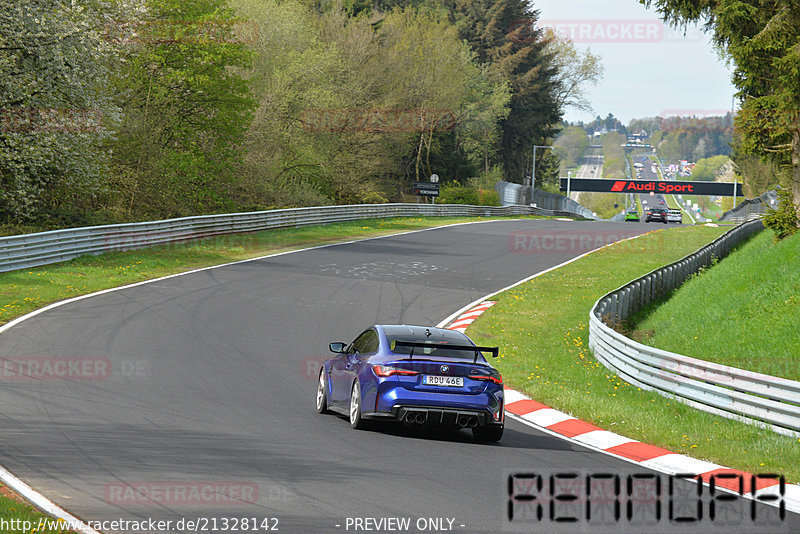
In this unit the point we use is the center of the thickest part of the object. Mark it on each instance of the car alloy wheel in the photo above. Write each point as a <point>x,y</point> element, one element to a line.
<point>355,407</point>
<point>322,393</point>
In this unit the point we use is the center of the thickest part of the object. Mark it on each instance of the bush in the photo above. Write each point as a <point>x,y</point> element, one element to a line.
<point>783,221</point>
<point>455,193</point>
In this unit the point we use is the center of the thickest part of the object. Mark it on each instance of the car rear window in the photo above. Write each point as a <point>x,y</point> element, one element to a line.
<point>436,350</point>
<point>438,341</point>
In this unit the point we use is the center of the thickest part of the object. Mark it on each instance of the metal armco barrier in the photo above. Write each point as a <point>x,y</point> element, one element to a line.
<point>767,401</point>
<point>751,208</point>
<point>515,194</point>
<point>32,250</point>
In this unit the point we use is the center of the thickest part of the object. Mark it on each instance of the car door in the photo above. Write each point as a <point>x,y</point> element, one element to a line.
<point>345,366</point>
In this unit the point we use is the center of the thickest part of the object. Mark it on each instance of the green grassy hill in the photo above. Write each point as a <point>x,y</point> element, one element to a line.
<point>742,312</point>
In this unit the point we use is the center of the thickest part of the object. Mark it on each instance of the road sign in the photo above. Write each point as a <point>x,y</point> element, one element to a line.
<point>434,178</point>
<point>654,186</point>
<point>426,189</point>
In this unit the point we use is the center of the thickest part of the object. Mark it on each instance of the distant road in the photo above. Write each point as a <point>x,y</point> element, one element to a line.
<point>591,167</point>
<point>657,200</point>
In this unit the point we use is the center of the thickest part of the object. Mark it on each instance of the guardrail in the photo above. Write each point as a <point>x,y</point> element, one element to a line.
<point>764,400</point>
<point>516,194</point>
<point>751,208</point>
<point>32,250</point>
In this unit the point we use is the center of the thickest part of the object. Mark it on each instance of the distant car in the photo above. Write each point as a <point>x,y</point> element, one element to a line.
<point>416,375</point>
<point>632,215</point>
<point>656,215</point>
<point>675,216</point>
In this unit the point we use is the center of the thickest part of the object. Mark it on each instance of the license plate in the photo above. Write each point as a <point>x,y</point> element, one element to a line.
<point>448,381</point>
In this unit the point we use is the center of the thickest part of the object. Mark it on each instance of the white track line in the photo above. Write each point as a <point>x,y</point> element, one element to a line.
<point>49,507</point>
<point>543,417</point>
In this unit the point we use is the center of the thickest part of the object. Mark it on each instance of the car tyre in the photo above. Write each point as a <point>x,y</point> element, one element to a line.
<point>356,420</point>
<point>488,433</point>
<point>322,392</point>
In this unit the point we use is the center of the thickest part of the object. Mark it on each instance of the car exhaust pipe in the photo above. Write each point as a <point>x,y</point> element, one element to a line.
<point>415,418</point>
<point>472,422</point>
<point>462,421</point>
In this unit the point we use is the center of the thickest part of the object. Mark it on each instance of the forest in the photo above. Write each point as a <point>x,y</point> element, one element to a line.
<point>126,110</point>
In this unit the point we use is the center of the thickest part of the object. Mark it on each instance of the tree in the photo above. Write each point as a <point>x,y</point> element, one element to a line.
<point>53,108</point>
<point>570,145</point>
<point>433,71</point>
<point>709,169</point>
<point>353,108</point>
<point>763,41</point>
<point>699,151</point>
<point>187,108</point>
<point>504,37</point>
<point>574,70</point>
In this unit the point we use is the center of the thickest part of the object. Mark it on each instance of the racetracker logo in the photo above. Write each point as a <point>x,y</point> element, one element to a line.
<point>50,120</point>
<point>350,120</point>
<point>590,31</point>
<point>204,238</point>
<point>55,368</point>
<point>187,32</point>
<point>696,120</point>
<point>311,366</point>
<point>542,242</point>
<point>182,493</point>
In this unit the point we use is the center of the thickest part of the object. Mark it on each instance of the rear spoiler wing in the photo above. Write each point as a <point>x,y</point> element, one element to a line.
<point>468,348</point>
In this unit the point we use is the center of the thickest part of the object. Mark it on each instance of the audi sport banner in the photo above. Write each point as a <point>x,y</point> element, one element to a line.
<point>655,186</point>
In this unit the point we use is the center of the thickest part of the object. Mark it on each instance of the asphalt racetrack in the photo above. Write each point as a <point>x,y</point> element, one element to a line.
<point>198,399</point>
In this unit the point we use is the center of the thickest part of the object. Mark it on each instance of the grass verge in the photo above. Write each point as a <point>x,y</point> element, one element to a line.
<point>542,329</point>
<point>741,312</point>
<point>25,290</point>
<point>18,513</point>
<point>603,203</point>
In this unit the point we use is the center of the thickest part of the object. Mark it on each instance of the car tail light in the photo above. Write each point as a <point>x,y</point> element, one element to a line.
<point>498,415</point>
<point>488,378</point>
<point>387,370</point>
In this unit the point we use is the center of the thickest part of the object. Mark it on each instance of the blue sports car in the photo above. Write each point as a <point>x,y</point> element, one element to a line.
<point>416,375</point>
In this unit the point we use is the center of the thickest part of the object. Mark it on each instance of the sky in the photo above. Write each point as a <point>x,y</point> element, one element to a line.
<point>650,69</point>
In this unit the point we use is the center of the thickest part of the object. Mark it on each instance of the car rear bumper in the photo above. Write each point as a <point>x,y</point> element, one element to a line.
<point>437,416</point>
<point>439,408</point>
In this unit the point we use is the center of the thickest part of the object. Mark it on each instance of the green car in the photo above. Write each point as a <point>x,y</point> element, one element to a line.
<point>632,215</point>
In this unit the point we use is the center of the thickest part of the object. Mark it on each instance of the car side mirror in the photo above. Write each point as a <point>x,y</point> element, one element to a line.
<point>338,347</point>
